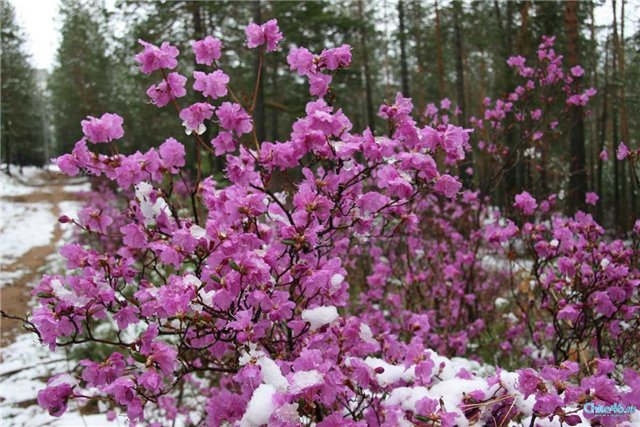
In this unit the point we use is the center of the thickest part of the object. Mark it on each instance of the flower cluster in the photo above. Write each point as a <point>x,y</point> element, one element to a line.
<point>318,68</point>
<point>230,303</point>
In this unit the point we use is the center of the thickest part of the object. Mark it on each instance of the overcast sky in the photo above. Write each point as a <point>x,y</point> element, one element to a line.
<point>41,22</point>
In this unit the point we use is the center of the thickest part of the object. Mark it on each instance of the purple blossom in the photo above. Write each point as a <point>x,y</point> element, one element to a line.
<point>447,185</point>
<point>300,60</point>
<point>224,143</point>
<point>207,50</point>
<point>103,129</point>
<point>338,57</point>
<point>172,154</point>
<point>213,85</point>
<point>577,71</point>
<point>591,198</point>
<point>319,84</point>
<point>526,203</point>
<point>171,88</point>
<point>154,58</point>
<point>194,116</point>
<point>233,118</point>
<point>622,151</point>
<point>56,394</point>
<point>268,33</point>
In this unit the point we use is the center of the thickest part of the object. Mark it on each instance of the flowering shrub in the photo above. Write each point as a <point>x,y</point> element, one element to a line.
<point>586,286</point>
<point>319,303</point>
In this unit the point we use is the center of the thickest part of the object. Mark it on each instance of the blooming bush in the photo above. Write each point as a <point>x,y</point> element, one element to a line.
<point>320,302</point>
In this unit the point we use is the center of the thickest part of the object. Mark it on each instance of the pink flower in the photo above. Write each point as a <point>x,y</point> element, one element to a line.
<point>447,185</point>
<point>224,143</point>
<point>97,374</point>
<point>67,164</point>
<point>536,114</point>
<point>268,33</point>
<point>94,219</point>
<point>127,316</point>
<point>569,313</point>
<point>133,236</point>
<point>307,199</point>
<point>578,99</point>
<point>194,116</point>
<point>577,71</point>
<point>154,58</point>
<point>427,407</point>
<point>591,198</point>
<point>56,394</point>
<point>122,390</point>
<point>213,85</point>
<point>105,129</point>
<point>319,84</point>
<point>604,155</point>
<point>151,380</point>
<point>207,50</point>
<point>164,356</point>
<point>526,203</point>
<point>171,88</point>
<point>129,172</point>
<point>338,57</point>
<point>301,60</point>
<point>232,117</point>
<point>622,151</point>
<point>516,61</point>
<point>431,110</point>
<point>172,153</point>
<point>453,140</point>
<point>603,303</point>
<point>528,382</point>
<point>399,111</point>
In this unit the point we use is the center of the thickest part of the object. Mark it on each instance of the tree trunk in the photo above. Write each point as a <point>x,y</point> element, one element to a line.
<point>457,17</point>
<point>593,65</point>
<point>618,167</point>
<point>404,69</point>
<point>366,70</point>
<point>624,124</point>
<point>603,127</point>
<point>510,184</point>
<point>524,28</point>
<point>258,113</point>
<point>439,53</point>
<point>418,15</point>
<point>578,176</point>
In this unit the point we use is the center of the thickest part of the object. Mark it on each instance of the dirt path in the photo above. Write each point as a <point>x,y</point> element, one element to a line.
<point>16,296</point>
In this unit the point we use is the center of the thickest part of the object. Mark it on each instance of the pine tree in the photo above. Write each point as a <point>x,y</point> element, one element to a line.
<point>81,80</point>
<point>578,177</point>
<point>21,130</point>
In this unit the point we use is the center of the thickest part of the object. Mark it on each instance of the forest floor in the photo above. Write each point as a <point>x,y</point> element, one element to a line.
<point>30,239</point>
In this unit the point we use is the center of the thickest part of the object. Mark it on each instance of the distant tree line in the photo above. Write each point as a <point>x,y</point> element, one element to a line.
<point>428,50</point>
<point>23,116</point>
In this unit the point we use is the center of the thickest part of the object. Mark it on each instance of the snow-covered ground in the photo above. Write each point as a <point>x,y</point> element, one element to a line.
<point>31,202</point>
<point>25,366</point>
<point>24,226</point>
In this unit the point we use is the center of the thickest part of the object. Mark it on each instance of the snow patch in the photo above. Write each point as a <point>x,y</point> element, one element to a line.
<point>320,316</point>
<point>24,226</point>
<point>260,407</point>
<point>303,380</point>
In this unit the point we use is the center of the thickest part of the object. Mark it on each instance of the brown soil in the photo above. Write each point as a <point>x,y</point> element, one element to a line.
<point>15,297</point>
